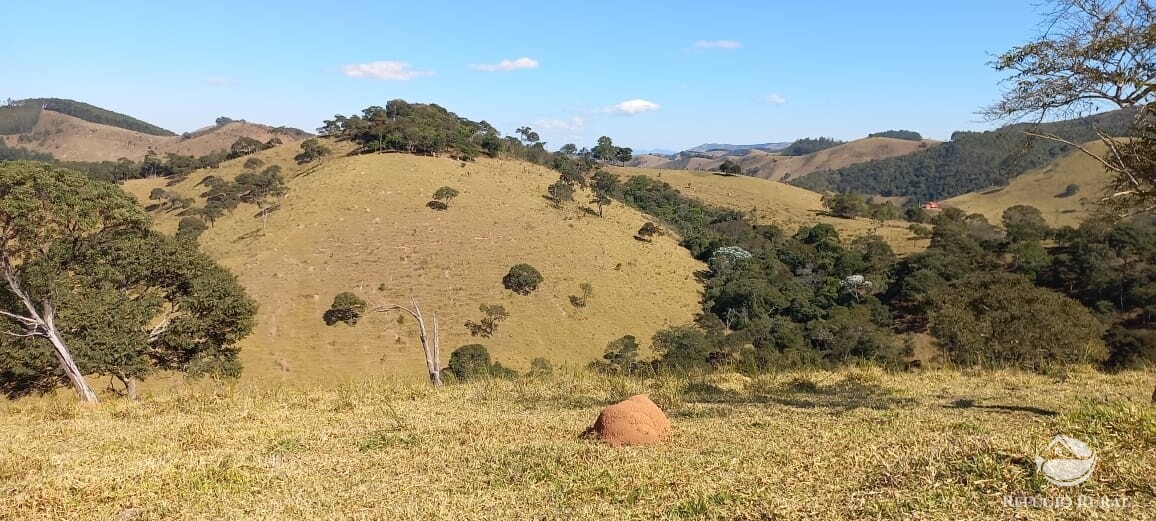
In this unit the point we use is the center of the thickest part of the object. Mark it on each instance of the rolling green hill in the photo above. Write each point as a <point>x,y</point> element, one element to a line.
<point>970,161</point>
<point>16,118</point>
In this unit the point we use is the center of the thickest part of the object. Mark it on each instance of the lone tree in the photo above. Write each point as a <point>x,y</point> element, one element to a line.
<point>486,328</point>
<point>648,231</point>
<point>445,194</point>
<point>311,150</point>
<point>522,279</point>
<point>730,167</point>
<point>561,192</point>
<point>84,273</point>
<point>1092,53</point>
<point>265,190</point>
<point>347,307</point>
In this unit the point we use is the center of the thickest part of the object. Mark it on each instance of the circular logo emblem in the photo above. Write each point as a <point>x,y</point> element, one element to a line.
<point>1073,463</point>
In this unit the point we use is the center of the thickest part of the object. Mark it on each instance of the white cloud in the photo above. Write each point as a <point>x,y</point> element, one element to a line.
<point>634,106</point>
<point>776,99</point>
<point>729,45</point>
<point>383,70</point>
<point>573,124</point>
<point>507,65</point>
<point>219,81</point>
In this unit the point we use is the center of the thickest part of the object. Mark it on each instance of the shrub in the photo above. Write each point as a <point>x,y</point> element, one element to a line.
<point>347,308</point>
<point>472,361</point>
<point>540,367</point>
<point>190,228</point>
<point>522,279</point>
<point>648,231</point>
<point>253,163</point>
<point>1070,190</point>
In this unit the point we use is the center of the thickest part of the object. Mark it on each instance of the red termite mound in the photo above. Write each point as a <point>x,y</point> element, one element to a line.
<point>633,421</point>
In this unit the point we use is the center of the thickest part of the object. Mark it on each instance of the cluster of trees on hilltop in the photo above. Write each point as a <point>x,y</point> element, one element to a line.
<point>908,135</point>
<point>991,295</point>
<point>970,161</point>
<point>802,147</point>
<point>414,128</point>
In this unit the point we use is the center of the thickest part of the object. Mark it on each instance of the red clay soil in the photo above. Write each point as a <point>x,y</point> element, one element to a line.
<point>633,421</point>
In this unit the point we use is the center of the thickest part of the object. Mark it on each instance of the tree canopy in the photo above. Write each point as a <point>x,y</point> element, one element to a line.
<point>90,289</point>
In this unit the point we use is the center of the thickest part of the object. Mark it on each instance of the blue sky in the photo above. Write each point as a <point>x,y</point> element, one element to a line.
<point>648,74</point>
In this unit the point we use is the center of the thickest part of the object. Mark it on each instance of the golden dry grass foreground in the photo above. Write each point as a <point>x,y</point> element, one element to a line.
<point>362,221</point>
<point>852,444</point>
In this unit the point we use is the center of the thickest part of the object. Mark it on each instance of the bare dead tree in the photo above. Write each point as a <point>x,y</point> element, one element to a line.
<point>429,346</point>
<point>1092,54</point>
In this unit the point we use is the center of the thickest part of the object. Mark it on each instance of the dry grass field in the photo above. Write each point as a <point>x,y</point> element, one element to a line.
<point>362,221</point>
<point>1042,188</point>
<point>775,203</point>
<point>851,444</point>
<point>74,139</point>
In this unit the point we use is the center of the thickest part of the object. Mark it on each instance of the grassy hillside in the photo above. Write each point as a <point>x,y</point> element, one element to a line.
<point>774,203</point>
<point>970,161</point>
<point>842,445</point>
<point>776,166</point>
<point>97,115</point>
<point>363,221</point>
<point>858,151</point>
<point>1043,188</point>
<point>73,139</point>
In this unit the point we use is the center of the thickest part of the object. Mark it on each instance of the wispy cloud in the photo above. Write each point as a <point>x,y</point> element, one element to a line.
<point>507,65</point>
<point>776,99</point>
<point>632,107</point>
<point>383,70</point>
<point>729,45</point>
<point>574,124</point>
<point>219,81</point>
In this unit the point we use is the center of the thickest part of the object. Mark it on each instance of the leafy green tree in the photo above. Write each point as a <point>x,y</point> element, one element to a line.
<point>473,361</point>
<point>561,192</point>
<point>569,149</point>
<point>730,167</point>
<point>1002,319</point>
<point>605,149</point>
<point>44,206</point>
<point>648,231</point>
<point>311,150</point>
<point>623,155</point>
<point>846,206</point>
<point>445,194</point>
<point>347,307</point>
<point>190,228</point>
<point>84,273</point>
<point>488,325</point>
<point>522,279</point>
<point>244,146</point>
<point>470,361</point>
<point>264,190</point>
<point>1025,223</point>
<point>586,290</point>
<point>681,347</point>
<point>621,357</point>
<point>1070,190</point>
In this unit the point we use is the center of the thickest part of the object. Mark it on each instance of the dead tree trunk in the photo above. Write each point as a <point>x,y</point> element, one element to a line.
<point>431,348</point>
<point>43,324</point>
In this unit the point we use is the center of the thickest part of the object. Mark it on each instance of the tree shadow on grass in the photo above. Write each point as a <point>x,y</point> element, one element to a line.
<point>802,393</point>
<point>967,403</point>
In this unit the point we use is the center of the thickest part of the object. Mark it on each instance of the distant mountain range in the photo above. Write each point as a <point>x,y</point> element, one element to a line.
<point>769,147</point>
